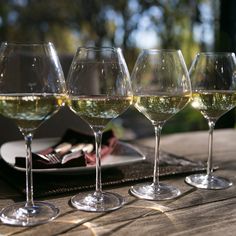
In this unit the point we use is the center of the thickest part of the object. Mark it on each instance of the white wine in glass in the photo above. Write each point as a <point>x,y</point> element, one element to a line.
<point>161,88</point>
<point>213,77</point>
<point>99,90</point>
<point>32,89</point>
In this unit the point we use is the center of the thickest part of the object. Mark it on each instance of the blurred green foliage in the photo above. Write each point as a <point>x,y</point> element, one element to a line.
<point>188,25</point>
<point>129,24</point>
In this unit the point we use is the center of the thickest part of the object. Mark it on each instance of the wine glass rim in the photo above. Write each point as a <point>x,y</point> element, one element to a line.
<point>17,44</point>
<point>99,48</point>
<point>161,50</point>
<point>215,53</point>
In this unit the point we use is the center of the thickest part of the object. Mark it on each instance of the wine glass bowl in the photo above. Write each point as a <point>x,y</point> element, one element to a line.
<point>161,88</point>
<point>213,77</point>
<point>32,89</point>
<point>99,90</point>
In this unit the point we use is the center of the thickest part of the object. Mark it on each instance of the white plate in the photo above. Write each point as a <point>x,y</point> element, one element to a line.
<point>123,154</point>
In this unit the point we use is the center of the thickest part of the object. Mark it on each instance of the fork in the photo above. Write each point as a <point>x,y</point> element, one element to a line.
<point>59,153</point>
<point>55,156</point>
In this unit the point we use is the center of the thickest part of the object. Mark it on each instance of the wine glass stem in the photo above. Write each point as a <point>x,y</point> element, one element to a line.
<point>156,172</point>
<point>29,177</point>
<point>211,125</point>
<point>98,143</point>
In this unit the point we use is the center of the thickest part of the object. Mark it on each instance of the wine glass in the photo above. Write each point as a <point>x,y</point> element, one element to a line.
<point>32,89</point>
<point>161,88</point>
<point>99,90</point>
<point>213,77</point>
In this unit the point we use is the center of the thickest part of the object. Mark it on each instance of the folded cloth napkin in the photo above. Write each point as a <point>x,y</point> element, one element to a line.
<point>80,158</point>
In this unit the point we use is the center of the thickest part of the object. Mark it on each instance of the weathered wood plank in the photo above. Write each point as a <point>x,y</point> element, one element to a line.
<point>73,220</point>
<point>196,212</point>
<point>214,218</point>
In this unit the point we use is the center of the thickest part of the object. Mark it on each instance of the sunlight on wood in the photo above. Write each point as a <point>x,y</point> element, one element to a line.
<point>69,221</point>
<point>154,206</point>
<point>91,227</point>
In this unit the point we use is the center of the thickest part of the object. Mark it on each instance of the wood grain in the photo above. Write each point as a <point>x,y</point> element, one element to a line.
<point>195,212</point>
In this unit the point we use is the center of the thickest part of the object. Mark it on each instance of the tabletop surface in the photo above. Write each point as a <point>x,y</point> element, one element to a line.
<point>195,212</point>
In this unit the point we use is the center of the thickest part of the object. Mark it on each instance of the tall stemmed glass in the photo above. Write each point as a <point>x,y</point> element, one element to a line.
<point>99,91</point>
<point>32,89</point>
<point>213,77</point>
<point>161,88</point>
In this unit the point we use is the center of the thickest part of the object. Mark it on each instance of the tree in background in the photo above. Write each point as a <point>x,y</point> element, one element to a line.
<point>190,25</point>
<point>131,24</point>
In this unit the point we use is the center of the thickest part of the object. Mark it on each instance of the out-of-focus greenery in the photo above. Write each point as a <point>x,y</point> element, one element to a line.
<point>130,24</point>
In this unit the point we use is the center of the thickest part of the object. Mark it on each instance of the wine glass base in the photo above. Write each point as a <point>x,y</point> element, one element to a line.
<point>97,202</point>
<point>20,215</point>
<point>205,181</point>
<point>149,191</point>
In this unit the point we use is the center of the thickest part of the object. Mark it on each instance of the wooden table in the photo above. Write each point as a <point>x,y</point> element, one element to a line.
<point>196,212</point>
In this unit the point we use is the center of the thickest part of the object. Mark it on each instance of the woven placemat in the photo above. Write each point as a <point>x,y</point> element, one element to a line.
<point>52,184</point>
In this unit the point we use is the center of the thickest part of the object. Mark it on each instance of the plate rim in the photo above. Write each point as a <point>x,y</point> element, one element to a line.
<point>68,170</point>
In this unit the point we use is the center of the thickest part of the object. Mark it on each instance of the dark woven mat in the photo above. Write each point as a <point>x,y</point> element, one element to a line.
<point>52,184</point>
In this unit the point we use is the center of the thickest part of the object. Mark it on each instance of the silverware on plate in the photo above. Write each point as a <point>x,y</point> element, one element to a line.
<point>65,152</point>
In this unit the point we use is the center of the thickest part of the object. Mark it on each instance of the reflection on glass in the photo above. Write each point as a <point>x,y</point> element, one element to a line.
<point>161,88</point>
<point>213,77</point>
<point>32,89</point>
<point>99,91</point>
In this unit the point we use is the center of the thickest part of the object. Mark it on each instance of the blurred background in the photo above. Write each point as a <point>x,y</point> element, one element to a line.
<point>189,25</point>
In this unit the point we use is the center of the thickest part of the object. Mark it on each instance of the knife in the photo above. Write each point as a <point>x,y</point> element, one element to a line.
<point>77,151</point>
